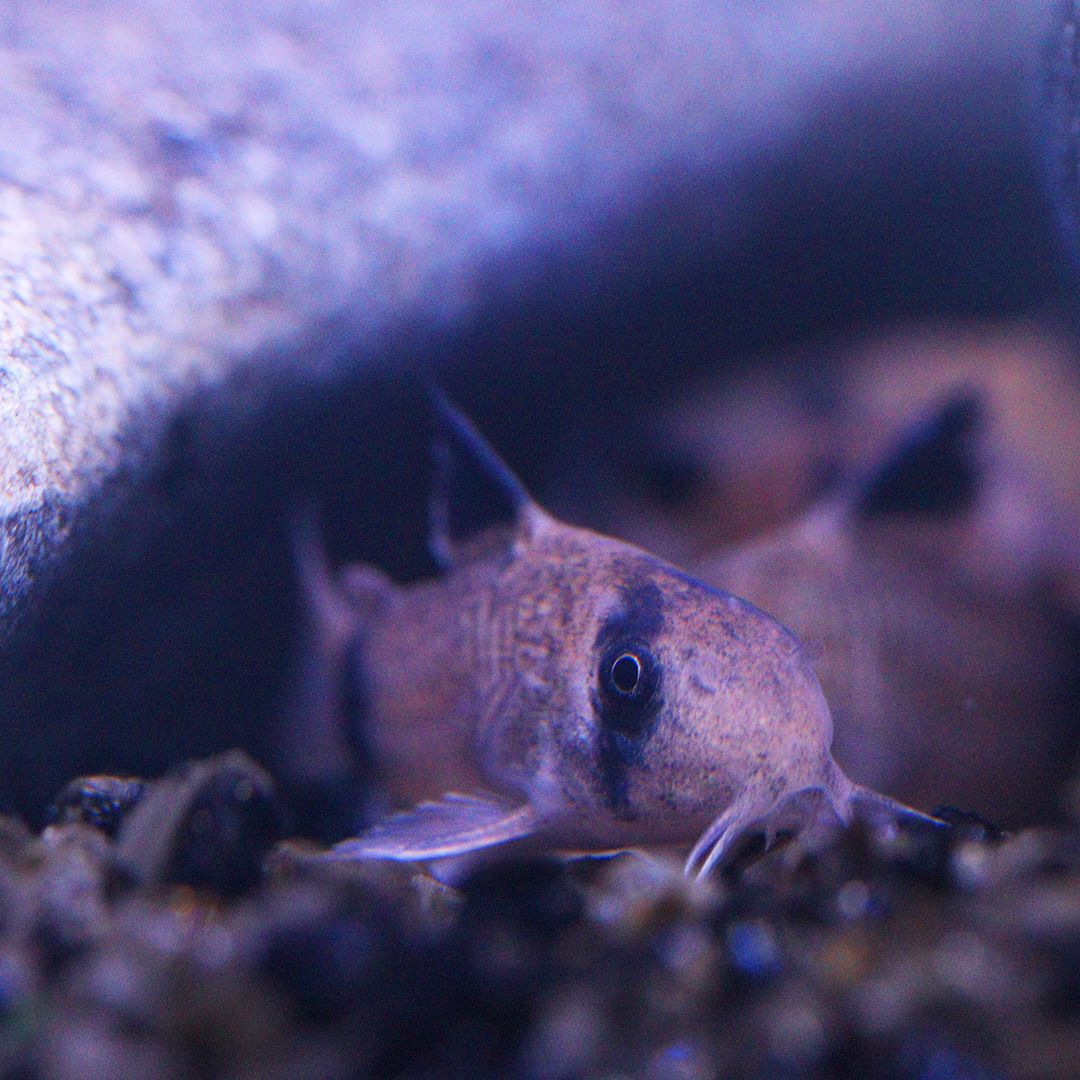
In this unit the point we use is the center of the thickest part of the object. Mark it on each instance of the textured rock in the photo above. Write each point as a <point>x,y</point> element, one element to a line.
<point>181,183</point>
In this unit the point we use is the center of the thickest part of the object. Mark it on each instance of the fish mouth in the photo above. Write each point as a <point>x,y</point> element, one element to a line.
<point>811,813</point>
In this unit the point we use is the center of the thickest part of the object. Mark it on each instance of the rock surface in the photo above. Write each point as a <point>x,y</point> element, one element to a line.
<point>184,183</point>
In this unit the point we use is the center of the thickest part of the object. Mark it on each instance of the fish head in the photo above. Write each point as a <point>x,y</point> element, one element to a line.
<point>682,706</point>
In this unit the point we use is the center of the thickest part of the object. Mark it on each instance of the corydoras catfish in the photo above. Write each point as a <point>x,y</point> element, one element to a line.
<point>561,690</point>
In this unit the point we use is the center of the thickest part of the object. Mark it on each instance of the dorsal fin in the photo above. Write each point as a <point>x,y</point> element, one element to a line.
<point>933,471</point>
<point>474,490</point>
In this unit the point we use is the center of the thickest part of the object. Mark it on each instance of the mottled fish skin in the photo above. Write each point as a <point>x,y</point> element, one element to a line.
<point>564,689</point>
<point>489,680</point>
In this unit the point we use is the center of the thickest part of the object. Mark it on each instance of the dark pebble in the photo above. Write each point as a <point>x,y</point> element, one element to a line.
<point>326,968</point>
<point>100,801</point>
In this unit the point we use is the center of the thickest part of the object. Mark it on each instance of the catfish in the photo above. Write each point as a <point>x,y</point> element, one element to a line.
<point>556,690</point>
<point>910,506</point>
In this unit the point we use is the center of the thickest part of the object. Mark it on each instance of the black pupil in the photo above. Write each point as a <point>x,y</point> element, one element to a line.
<point>626,673</point>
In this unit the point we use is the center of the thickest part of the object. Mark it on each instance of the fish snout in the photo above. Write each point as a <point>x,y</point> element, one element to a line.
<point>759,710</point>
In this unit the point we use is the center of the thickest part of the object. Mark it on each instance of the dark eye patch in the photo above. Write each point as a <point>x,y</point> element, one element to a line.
<point>640,615</point>
<point>628,680</point>
<point>627,693</point>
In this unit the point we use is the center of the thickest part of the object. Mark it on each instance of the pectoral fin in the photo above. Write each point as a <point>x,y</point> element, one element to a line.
<point>453,825</point>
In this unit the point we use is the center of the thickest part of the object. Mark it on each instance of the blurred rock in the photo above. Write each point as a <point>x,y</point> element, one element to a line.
<point>101,801</point>
<point>207,824</point>
<point>599,967</point>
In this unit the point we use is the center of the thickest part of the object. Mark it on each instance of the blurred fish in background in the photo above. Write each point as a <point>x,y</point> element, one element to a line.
<point>906,497</point>
<point>911,509</point>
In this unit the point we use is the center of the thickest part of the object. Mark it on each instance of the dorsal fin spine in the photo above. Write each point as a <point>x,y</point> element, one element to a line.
<point>458,445</point>
<point>463,429</point>
<point>931,470</point>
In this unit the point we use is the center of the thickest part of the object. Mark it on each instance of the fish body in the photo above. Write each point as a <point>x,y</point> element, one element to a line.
<point>940,691</point>
<point>949,648</point>
<point>570,692</point>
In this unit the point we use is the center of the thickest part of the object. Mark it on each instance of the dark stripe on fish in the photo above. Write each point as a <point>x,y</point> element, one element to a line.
<point>640,615</point>
<point>624,725</point>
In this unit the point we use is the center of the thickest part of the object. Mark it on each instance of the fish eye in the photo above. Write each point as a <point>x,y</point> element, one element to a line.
<point>626,674</point>
<point>629,677</point>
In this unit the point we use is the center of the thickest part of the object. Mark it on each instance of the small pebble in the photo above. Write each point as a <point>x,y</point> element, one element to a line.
<point>753,948</point>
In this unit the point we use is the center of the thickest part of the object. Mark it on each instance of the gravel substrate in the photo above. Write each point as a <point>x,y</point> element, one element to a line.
<point>954,954</point>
